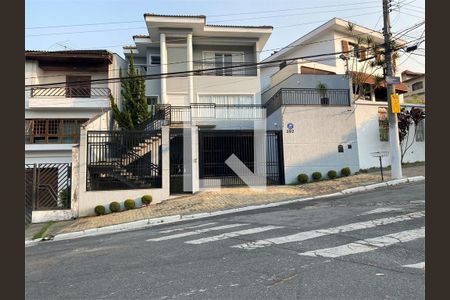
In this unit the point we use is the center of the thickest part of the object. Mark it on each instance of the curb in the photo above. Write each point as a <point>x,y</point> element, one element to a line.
<point>141,224</point>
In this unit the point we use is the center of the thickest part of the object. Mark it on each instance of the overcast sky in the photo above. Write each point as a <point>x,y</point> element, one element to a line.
<point>290,19</point>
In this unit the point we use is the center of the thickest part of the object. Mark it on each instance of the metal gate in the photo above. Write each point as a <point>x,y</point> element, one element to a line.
<point>176,161</point>
<point>47,187</point>
<point>215,147</point>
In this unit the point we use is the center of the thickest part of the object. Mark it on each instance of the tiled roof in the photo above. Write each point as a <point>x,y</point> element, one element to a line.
<point>68,52</point>
<point>93,54</point>
<point>175,16</point>
<point>141,36</point>
<point>239,26</point>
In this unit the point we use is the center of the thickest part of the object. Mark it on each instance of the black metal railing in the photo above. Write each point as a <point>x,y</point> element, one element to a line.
<point>225,69</point>
<point>70,92</point>
<point>307,96</point>
<point>123,160</point>
<point>161,116</point>
<point>47,186</point>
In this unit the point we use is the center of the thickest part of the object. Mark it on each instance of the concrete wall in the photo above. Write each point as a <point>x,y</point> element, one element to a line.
<point>313,146</point>
<point>369,138</point>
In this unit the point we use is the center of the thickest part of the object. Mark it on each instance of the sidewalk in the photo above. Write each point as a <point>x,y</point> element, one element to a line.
<point>225,199</point>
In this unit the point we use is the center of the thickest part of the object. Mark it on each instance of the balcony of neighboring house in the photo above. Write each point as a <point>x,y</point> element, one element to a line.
<point>52,134</point>
<point>307,96</point>
<point>78,93</point>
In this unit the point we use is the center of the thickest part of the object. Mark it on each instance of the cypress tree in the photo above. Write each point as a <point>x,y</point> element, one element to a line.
<point>134,103</point>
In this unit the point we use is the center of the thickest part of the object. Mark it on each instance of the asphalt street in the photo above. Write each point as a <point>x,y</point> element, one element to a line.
<point>362,246</point>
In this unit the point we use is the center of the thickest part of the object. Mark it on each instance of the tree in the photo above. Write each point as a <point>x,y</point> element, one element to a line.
<point>134,102</point>
<point>364,62</point>
<point>406,118</point>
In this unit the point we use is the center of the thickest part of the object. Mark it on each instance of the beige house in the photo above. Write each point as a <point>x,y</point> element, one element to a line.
<point>415,83</point>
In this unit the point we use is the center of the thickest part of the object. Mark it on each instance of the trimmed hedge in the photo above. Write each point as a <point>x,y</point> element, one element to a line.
<point>332,174</point>
<point>114,206</point>
<point>130,204</point>
<point>100,210</point>
<point>316,176</point>
<point>346,172</point>
<point>303,178</point>
<point>146,199</point>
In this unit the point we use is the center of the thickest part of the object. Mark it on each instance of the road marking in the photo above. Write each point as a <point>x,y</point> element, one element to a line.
<point>380,210</point>
<point>232,234</point>
<point>189,233</point>
<point>306,235</point>
<point>367,245</point>
<point>188,227</point>
<point>420,265</point>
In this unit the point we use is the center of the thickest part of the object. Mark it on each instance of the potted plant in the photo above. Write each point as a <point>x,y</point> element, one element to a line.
<point>322,89</point>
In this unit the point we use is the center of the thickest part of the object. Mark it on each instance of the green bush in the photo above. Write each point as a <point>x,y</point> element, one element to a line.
<point>332,174</point>
<point>100,210</point>
<point>146,199</point>
<point>303,178</point>
<point>346,172</point>
<point>316,176</point>
<point>130,204</point>
<point>114,206</point>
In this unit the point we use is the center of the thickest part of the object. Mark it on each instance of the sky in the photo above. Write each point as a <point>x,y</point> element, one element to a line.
<point>58,25</point>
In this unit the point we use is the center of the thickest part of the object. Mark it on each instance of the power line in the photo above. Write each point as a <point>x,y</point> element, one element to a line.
<point>192,73</point>
<point>209,16</point>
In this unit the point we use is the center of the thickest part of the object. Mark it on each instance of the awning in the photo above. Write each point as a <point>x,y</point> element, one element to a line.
<point>370,79</point>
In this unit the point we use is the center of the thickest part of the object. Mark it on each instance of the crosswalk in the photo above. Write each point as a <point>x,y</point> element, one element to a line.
<point>205,234</point>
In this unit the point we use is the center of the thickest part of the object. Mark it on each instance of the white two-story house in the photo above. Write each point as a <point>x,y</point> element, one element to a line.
<point>218,100</point>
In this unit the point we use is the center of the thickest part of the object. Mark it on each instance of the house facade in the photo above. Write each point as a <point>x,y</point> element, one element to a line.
<point>415,83</point>
<point>64,90</point>
<point>332,109</point>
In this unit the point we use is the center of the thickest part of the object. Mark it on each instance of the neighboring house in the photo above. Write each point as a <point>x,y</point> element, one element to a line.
<point>338,127</point>
<point>55,113</point>
<point>415,82</point>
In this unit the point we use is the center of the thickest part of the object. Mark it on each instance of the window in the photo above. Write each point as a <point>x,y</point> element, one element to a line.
<point>221,60</point>
<point>78,86</point>
<point>340,148</point>
<point>420,133</point>
<point>383,123</point>
<point>155,60</point>
<point>52,131</point>
<point>417,86</point>
<point>152,100</point>
<point>227,99</point>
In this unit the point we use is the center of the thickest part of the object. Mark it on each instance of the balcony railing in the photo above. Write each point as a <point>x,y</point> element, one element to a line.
<point>307,96</point>
<point>229,69</point>
<point>70,92</point>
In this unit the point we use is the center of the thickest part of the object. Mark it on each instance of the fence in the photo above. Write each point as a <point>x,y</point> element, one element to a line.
<point>47,187</point>
<point>70,92</point>
<point>123,160</point>
<point>307,96</point>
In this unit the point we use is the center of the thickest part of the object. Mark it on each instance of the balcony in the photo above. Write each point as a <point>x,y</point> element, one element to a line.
<point>69,97</point>
<point>230,69</point>
<point>307,96</point>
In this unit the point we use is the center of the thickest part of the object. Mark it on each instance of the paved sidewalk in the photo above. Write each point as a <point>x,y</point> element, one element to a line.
<point>225,199</point>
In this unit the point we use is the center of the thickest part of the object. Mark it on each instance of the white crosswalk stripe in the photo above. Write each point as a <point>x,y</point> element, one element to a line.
<point>232,234</point>
<point>189,233</point>
<point>420,265</point>
<point>306,235</point>
<point>380,210</point>
<point>367,245</point>
<point>188,227</point>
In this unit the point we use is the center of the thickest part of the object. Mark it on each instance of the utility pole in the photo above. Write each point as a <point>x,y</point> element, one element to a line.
<point>394,139</point>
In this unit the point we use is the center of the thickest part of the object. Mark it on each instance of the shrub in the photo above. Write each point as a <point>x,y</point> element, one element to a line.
<point>346,172</point>
<point>130,204</point>
<point>146,199</point>
<point>303,178</point>
<point>332,174</point>
<point>100,210</point>
<point>114,206</point>
<point>316,176</point>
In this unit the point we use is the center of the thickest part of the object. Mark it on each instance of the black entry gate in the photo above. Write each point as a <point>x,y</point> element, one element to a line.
<point>47,187</point>
<point>215,147</point>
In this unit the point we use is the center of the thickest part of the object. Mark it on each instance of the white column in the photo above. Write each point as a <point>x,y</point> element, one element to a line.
<point>165,152</point>
<point>190,67</point>
<point>163,51</point>
<point>372,94</point>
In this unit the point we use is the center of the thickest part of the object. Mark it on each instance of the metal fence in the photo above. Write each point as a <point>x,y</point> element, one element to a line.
<point>123,160</point>
<point>47,187</point>
<point>307,96</point>
<point>70,92</point>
